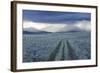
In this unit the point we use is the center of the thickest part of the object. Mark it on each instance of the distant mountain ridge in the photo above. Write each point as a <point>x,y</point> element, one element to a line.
<point>52,29</point>
<point>33,31</point>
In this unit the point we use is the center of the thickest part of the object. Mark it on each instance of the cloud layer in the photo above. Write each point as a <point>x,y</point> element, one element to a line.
<point>54,16</point>
<point>77,26</point>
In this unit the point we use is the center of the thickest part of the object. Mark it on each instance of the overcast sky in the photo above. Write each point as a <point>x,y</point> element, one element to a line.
<point>54,16</point>
<point>54,20</point>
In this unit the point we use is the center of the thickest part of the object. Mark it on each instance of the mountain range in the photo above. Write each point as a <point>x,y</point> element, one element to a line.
<point>32,30</point>
<point>52,29</point>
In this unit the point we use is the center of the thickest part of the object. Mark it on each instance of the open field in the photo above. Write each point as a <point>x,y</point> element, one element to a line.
<point>56,46</point>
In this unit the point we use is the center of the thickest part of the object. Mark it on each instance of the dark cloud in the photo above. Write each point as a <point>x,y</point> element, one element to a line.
<point>54,16</point>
